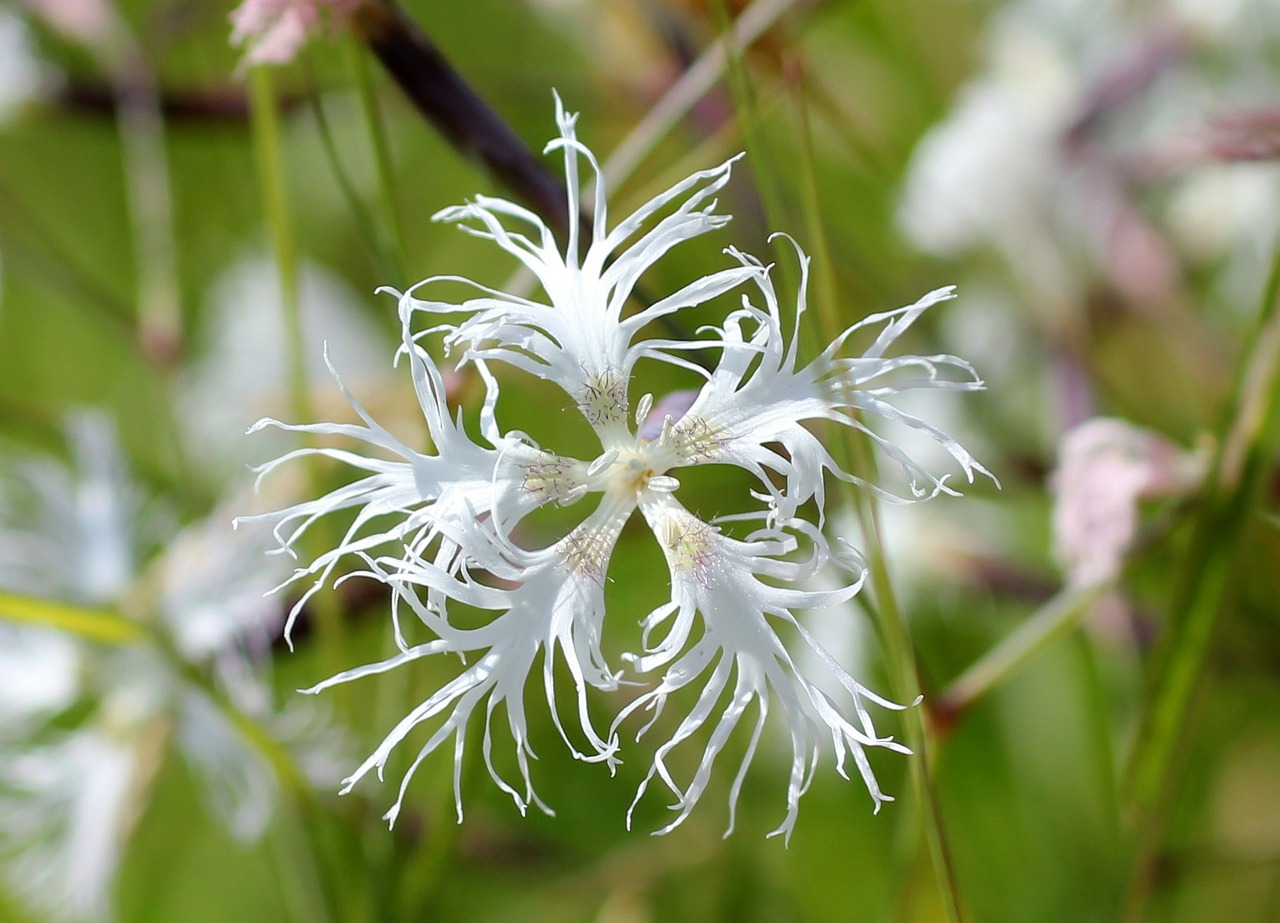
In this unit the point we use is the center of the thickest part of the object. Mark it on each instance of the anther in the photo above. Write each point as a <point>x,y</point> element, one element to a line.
<point>643,408</point>
<point>604,461</point>
<point>573,496</point>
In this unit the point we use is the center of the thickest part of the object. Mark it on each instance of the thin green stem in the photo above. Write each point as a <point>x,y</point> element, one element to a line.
<point>147,187</point>
<point>1052,622</point>
<point>855,449</point>
<point>824,274</point>
<point>382,161</point>
<point>275,197</point>
<point>302,887</point>
<point>101,625</point>
<point>363,217</point>
<point>265,123</point>
<point>1227,508</point>
<point>759,157</point>
<point>693,84</point>
<point>904,681</point>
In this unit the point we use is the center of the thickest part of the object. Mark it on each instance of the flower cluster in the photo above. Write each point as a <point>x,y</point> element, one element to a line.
<point>438,528</point>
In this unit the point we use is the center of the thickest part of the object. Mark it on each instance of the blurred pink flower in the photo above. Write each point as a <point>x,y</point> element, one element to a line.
<point>272,31</point>
<point>1105,466</point>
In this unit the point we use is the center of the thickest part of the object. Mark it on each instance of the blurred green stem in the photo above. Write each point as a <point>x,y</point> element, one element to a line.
<point>300,882</point>
<point>759,157</point>
<point>265,123</point>
<point>1228,505</point>
<point>900,658</point>
<point>904,680</point>
<point>99,625</point>
<point>105,626</point>
<point>147,188</point>
<point>363,217</point>
<point>1049,624</point>
<point>376,127</point>
<point>693,84</point>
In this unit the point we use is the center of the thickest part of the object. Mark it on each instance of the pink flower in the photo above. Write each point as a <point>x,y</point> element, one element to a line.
<point>272,31</point>
<point>1105,466</point>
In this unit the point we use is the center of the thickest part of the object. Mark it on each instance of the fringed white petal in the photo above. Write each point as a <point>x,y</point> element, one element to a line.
<point>446,501</point>
<point>555,612</point>
<point>579,338</point>
<point>716,582</point>
<point>757,399</point>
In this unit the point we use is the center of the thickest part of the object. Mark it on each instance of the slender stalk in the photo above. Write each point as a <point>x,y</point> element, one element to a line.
<point>759,157</point>
<point>900,657</point>
<point>1053,621</point>
<point>693,84</point>
<point>301,885</point>
<point>383,166</point>
<point>1227,508</point>
<point>265,123</point>
<point>363,217</point>
<point>146,171</point>
<point>904,680</point>
<point>455,109</point>
<point>101,625</point>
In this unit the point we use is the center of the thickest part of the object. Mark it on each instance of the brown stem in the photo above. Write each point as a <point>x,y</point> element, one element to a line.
<point>456,110</point>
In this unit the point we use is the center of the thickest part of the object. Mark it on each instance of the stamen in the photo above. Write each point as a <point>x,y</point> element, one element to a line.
<point>604,461</point>
<point>643,408</point>
<point>665,436</point>
<point>574,495</point>
<point>663,483</point>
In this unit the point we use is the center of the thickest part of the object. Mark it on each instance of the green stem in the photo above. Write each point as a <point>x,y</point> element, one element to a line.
<point>292,850</point>
<point>99,625</point>
<point>147,188</point>
<point>1049,624</point>
<point>363,218</point>
<point>376,128</point>
<point>693,84</point>
<point>1227,507</point>
<point>759,157</point>
<point>904,681</point>
<point>855,449</point>
<point>265,123</point>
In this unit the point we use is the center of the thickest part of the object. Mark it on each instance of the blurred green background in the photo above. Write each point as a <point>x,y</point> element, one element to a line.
<point>1099,178</point>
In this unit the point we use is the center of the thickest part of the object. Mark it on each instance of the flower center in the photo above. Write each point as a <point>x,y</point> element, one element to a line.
<point>632,470</point>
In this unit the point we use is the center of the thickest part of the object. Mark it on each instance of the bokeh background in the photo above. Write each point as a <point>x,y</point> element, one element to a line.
<point>1099,177</point>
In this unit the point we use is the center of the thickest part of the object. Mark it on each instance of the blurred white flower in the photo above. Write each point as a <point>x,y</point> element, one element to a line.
<point>21,72</point>
<point>437,527</point>
<point>69,792</point>
<point>1046,152</point>
<point>38,678</point>
<point>64,810</point>
<point>73,534</point>
<point>1105,466</point>
<point>240,373</point>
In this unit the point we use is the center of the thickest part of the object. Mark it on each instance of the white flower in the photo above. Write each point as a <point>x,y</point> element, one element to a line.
<point>70,789</point>
<point>437,527</point>
<point>73,534</point>
<point>21,70</point>
<point>64,810</point>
